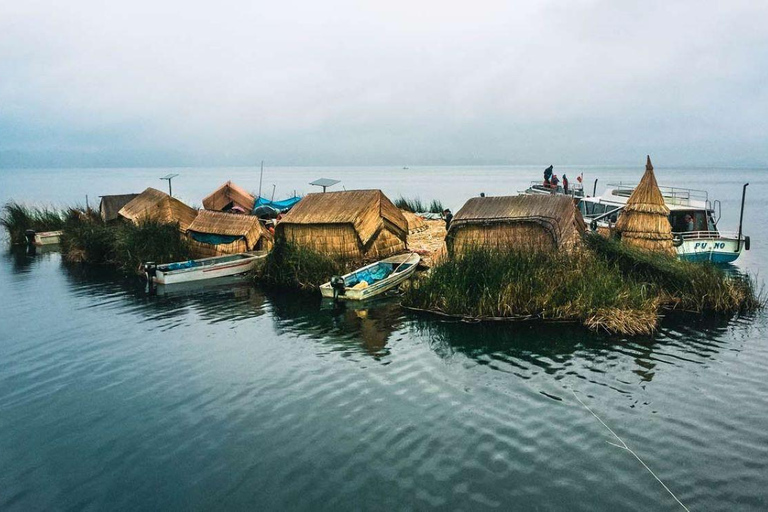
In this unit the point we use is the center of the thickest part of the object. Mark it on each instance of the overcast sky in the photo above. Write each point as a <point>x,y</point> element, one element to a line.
<point>97,83</point>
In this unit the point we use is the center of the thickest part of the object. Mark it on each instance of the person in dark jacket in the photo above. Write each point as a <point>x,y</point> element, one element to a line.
<point>565,183</point>
<point>448,216</point>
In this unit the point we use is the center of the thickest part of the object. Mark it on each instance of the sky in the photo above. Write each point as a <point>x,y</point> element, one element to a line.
<point>152,83</point>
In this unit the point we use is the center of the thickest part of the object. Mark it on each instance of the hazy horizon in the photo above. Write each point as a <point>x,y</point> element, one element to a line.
<point>397,83</point>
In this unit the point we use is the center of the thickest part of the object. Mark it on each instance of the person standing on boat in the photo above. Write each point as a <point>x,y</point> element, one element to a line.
<point>547,175</point>
<point>565,183</point>
<point>555,182</point>
<point>688,222</point>
<point>448,216</point>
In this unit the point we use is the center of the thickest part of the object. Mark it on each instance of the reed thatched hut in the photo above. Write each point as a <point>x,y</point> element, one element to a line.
<point>159,206</point>
<point>644,222</point>
<point>524,222</point>
<point>416,223</point>
<point>219,233</point>
<point>355,224</point>
<point>228,196</point>
<point>111,205</point>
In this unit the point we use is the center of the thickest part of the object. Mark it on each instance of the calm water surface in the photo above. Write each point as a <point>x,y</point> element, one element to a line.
<point>230,397</point>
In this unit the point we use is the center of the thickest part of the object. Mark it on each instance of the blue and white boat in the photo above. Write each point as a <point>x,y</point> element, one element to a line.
<point>693,218</point>
<point>373,279</point>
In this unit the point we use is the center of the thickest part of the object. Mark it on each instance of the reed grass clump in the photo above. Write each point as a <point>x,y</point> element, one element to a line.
<point>294,266</point>
<point>606,286</point>
<point>683,285</point>
<point>16,218</point>
<point>415,205</point>
<point>485,283</point>
<point>86,239</point>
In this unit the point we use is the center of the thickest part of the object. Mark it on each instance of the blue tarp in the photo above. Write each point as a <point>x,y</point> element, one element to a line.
<point>207,238</point>
<point>283,205</point>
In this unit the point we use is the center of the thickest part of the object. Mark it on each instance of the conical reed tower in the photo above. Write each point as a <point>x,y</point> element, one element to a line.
<point>644,222</point>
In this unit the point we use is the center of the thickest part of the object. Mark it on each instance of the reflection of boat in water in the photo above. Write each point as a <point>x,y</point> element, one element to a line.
<point>373,279</point>
<point>693,218</point>
<point>205,268</point>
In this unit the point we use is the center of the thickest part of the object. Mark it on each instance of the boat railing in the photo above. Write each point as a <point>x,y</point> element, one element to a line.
<point>702,235</point>
<point>673,195</point>
<point>576,190</point>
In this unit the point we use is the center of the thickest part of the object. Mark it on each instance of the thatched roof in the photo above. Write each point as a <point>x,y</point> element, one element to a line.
<point>159,206</point>
<point>555,213</point>
<point>647,197</point>
<point>229,224</point>
<point>111,205</point>
<point>363,209</point>
<point>227,194</point>
<point>644,222</point>
<point>416,223</point>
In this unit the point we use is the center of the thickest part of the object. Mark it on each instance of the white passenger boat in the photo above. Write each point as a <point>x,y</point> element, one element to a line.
<point>206,268</point>
<point>373,279</point>
<point>692,216</point>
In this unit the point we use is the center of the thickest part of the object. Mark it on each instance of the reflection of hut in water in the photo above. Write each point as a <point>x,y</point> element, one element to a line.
<point>218,233</point>
<point>524,222</point>
<point>159,206</point>
<point>354,224</point>
<point>111,205</point>
<point>416,224</point>
<point>644,222</point>
<point>227,197</point>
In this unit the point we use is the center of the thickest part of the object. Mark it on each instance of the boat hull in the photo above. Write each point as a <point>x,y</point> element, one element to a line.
<point>715,250</point>
<point>389,283</point>
<point>213,271</point>
<point>47,238</point>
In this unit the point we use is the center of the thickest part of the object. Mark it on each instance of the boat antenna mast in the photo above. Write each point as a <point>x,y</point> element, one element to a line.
<point>261,177</point>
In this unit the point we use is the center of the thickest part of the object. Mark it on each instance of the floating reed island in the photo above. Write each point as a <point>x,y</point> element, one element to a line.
<point>530,257</point>
<point>505,258</point>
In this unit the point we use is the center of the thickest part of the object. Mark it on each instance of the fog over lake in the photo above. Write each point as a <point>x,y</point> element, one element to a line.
<point>339,82</point>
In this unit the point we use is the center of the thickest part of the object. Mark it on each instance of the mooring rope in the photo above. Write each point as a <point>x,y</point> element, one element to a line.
<point>624,446</point>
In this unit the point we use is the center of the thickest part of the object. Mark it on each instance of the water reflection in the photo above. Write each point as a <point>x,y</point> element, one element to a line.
<point>362,327</point>
<point>226,299</point>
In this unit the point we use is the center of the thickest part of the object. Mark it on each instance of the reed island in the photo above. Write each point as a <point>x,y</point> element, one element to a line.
<point>501,259</point>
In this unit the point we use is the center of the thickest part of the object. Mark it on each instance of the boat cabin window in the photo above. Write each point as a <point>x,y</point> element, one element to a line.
<point>691,220</point>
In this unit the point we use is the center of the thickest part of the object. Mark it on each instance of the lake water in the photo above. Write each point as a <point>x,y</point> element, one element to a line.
<point>230,397</point>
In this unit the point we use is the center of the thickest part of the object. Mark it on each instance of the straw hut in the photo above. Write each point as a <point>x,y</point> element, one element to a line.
<point>644,222</point>
<point>219,233</point>
<point>227,197</point>
<point>355,224</point>
<point>156,205</point>
<point>416,223</point>
<point>524,222</point>
<point>111,205</point>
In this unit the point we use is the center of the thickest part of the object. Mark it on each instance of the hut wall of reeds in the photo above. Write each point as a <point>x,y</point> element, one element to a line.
<point>354,224</point>
<point>219,233</point>
<point>156,205</point>
<point>110,206</point>
<point>523,223</point>
<point>228,196</point>
<point>644,222</point>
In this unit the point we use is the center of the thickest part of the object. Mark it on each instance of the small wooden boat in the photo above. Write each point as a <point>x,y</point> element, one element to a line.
<point>205,268</point>
<point>373,279</point>
<point>43,238</point>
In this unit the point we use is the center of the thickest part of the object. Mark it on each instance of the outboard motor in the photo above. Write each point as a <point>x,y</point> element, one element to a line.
<point>337,283</point>
<point>30,235</point>
<point>150,271</point>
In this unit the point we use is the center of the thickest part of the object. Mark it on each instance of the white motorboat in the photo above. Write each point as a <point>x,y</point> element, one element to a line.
<point>373,279</point>
<point>205,268</point>
<point>692,216</point>
<point>43,238</point>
